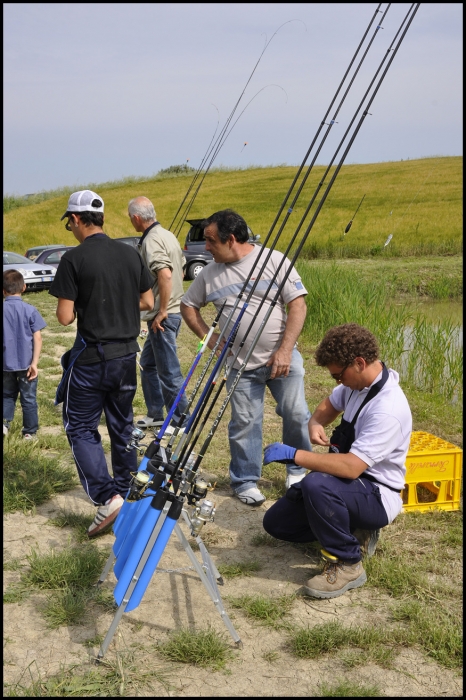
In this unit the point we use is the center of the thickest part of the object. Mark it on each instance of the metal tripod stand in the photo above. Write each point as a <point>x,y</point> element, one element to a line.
<point>206,571</point>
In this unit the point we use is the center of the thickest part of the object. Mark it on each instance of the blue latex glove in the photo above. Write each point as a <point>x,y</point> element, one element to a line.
<point>278,452</point>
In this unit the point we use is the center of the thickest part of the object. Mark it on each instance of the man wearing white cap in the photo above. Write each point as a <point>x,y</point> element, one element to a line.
<point>105,288</point>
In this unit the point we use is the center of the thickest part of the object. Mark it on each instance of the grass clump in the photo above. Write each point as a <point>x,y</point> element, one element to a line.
<point>347,689</point>
<point>65,607</point>
<point>263,539</point>
<point>78,522</point>
<point>244,568</point>
<point>205,648</point>
<point>118,677</point>
<point>75,568</point>
<point>31,478</point>
<point>268,611</point>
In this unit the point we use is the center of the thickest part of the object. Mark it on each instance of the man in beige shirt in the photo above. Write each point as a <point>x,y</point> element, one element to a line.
<point>161,376</point>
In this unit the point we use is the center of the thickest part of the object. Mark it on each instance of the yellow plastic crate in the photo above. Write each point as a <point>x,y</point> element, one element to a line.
<point>433,474</point>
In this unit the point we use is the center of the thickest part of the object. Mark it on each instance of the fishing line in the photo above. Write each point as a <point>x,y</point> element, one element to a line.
<point>225,127</point>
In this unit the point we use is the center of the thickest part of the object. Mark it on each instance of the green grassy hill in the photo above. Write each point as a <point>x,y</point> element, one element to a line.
<point>418,202</point>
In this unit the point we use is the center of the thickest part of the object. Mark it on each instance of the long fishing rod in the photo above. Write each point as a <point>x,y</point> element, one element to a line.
<point>185,437</point>
<point>225,127</point>
<point>408,19</point>
<point>348,226</point>
<point>258,276</point>
<point>136,570</point>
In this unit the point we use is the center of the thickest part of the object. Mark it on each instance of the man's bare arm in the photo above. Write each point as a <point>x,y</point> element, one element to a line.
<point>65,312</point>
<point>281,359</point>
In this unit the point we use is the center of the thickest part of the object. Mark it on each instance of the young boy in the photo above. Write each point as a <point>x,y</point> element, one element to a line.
<point>22,342</point>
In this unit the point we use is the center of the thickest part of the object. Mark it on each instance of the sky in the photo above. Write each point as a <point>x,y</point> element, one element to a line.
<point>95,92</point>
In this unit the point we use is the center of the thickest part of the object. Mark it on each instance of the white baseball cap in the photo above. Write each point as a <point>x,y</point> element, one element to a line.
<point>84,200</point>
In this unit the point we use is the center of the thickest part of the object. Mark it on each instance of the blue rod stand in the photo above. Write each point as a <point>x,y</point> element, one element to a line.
<point>135,575</point>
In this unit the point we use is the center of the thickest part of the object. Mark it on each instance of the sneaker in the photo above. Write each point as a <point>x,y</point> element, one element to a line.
<point>336,578</point>
<point>5,429</point>
<point>29,436</point>
<point>148,422</point>
<point>105,516</point>
<point>367,541</point>
<point>252,496</point>
<point>293,479</point>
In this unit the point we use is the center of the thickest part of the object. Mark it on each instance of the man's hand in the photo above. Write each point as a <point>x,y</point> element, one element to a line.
<point>281,363</point>
<point>158,320</point>
<point>277,452</point>
<point>317,435</point>
<point>212,341</point>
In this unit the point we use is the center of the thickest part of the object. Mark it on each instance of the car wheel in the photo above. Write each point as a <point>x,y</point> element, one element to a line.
<point>194,270</point>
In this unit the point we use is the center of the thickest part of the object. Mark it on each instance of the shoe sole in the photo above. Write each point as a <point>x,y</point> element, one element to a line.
<point>156,424</point>
<point>313,593</point>
<point>105,524</point>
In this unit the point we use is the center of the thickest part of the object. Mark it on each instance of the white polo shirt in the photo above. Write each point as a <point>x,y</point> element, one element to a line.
<point>382,434</point>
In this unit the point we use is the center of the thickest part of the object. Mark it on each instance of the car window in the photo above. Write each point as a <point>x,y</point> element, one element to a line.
<point>13,258</point>
<point>54,257</point>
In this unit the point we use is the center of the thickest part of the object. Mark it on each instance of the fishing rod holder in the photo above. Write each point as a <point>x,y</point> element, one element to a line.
<point>134,443</point>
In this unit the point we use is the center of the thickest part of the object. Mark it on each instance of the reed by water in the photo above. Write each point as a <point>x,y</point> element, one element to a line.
<point>427,354</point>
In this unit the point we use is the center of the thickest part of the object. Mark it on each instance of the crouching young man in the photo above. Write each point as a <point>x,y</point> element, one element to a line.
<point>352,491</point>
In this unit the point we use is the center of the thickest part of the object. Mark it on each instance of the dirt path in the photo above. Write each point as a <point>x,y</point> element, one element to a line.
<point>179,598</point>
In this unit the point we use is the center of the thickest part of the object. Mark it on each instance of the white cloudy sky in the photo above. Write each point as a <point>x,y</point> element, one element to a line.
<point>99,91</point>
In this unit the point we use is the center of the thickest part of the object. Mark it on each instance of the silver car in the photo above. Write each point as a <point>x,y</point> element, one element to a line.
<point>36,277</point>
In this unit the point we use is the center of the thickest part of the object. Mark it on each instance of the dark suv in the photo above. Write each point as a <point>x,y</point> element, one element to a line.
<point>194,250</point>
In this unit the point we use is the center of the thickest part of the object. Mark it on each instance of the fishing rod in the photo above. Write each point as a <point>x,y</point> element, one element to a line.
<point>332,121</point>
<point>220,138</point>
<point>214,156</point>
<point>160,520</point>
<point>408,19</point>
<point>352,219</point>
<point>296,178</point>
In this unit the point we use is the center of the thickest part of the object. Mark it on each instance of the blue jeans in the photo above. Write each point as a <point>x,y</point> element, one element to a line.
<point>161,377</point>
<point>327,509</point>
<point>15,383</point>
<point>245,426</point>
<point>90,389</point>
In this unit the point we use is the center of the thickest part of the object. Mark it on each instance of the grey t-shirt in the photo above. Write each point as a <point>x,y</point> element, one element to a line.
<point>218,282</point>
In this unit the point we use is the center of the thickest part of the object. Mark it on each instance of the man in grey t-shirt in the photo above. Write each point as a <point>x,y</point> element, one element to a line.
<point>275,361</point>
<point>161,377</point>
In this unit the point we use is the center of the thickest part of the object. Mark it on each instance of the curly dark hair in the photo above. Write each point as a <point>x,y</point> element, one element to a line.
<point>228,222</point>
<point>341,344</point>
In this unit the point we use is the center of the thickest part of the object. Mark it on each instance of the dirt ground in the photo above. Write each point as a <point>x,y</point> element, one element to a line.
<point>179,598</point>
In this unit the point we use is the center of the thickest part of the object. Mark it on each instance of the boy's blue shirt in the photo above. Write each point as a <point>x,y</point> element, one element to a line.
<point>20,322</point>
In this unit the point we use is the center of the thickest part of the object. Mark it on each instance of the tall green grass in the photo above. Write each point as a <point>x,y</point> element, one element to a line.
<point>418,202</point>
<point>427,354</point>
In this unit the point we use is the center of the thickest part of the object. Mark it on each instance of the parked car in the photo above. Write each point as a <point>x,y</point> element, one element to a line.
<point>52,256</point>
<point>197,257</point>
<point>32,253</point>
<point>36,277</point>
<point>130,240</point>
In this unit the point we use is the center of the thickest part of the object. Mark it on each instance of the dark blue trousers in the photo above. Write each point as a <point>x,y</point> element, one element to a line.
<point>109,387</point>
<point>327,509</point>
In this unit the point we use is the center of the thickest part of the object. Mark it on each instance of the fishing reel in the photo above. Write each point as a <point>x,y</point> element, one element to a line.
<point>200,515</point>
<point>133,444</point>
<point>138,485</point>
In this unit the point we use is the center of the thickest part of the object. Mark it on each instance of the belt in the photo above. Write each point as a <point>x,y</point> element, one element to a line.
<point>379,483</point>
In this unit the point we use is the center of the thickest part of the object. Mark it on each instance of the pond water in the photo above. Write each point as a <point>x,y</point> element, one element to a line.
<point>439,310</point>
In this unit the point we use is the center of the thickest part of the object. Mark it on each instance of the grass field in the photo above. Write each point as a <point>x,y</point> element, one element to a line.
<point>418,202</point>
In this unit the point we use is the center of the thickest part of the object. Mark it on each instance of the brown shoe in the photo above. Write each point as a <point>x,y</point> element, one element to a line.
<point>367,541</point>
<point>335,579</point>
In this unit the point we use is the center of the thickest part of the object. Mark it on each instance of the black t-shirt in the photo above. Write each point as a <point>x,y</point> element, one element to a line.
<point>104,278</point>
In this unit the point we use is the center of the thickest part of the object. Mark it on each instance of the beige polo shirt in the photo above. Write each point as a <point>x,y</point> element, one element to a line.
<point>160,249</point>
